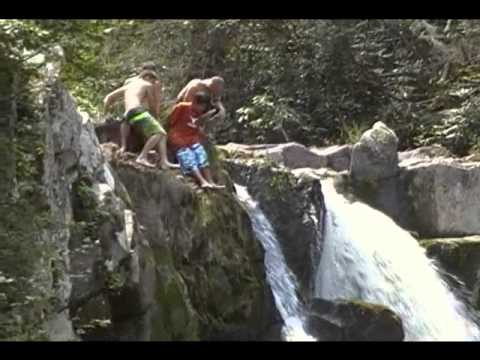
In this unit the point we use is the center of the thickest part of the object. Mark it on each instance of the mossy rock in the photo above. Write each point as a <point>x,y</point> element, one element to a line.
<point>459,257</point>
<point>354,320</point>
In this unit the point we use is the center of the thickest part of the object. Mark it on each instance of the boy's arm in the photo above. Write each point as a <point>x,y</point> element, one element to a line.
<point>113,96</point>
<point>220,115</point>
<point>217,113</point>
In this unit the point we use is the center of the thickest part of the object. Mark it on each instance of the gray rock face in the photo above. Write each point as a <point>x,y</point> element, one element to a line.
<point>408,158</point>
<point>338,156</point>
<point>353,321</point>
<point>444,195</point>
<point>291,155</point>
<point>375,157</point>
<point>81,193</point>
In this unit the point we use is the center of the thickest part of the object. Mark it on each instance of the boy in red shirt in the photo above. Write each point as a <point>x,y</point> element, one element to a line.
<point>184,136</point>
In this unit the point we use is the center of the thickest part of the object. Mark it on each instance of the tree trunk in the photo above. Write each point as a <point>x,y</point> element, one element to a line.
<point>8,115</point>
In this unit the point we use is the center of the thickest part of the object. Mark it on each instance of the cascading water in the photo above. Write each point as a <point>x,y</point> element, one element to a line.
<point>366,256</point>
<point>279,276</point>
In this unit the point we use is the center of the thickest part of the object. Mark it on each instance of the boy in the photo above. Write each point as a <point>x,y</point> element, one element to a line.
<point>184,137</point>
<point>138,96</point>
<point>214,86</point>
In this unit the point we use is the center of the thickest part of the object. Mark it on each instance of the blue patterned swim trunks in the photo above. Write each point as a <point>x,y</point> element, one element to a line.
<point>192,158</point>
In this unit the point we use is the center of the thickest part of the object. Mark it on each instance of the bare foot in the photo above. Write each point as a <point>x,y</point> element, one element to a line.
<point>144,162</point>
<point>168,165</point>
<point>206,186</point>
<point>215,186</point>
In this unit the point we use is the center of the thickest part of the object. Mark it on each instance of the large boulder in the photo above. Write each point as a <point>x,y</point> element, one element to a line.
<point>375,157</point>
<point>443,196</point>
<point>344,320</point>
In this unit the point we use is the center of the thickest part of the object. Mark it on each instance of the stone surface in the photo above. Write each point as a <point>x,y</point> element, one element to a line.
<point>353,321</point>
<point>420,154</point>
<point>444,197</point>
<point>338,156</point>
<point>291,155</point>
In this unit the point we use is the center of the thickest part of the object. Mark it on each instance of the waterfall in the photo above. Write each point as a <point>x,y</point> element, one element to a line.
<point>281,280</point>
<point>366,256</point>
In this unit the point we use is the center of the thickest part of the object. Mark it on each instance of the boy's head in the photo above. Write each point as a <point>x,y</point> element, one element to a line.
<point>216,85</point>
<point>201,102</point>
<point>149,75</point>
<point>149,65</point>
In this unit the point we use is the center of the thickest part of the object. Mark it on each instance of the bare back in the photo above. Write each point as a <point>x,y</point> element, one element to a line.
<point>194,86</point>
<point>138,92</point>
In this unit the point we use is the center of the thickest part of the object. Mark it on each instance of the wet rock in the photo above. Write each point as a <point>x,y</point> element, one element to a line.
<point>459,257</point>
<point>293,203</point>
<point>353,321</point>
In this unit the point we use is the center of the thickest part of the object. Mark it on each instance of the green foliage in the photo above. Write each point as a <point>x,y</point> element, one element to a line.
<point>264,116</point>
<point>352,132</point>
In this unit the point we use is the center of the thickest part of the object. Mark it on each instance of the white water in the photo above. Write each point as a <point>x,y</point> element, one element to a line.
<point>366,256</point>
<point>282,281</point>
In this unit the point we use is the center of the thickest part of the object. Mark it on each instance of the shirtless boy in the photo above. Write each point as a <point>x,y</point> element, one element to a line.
<point>139,97</point>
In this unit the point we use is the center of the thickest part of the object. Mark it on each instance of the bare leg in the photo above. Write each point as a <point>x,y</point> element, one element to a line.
<point>203,183</point>
<point>208,175</point>
<point>124,132</point>
<point>162,150</point>
<point>150,144</point>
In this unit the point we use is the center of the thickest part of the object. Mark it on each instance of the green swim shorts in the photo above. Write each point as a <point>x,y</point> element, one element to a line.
<point>146,122</point>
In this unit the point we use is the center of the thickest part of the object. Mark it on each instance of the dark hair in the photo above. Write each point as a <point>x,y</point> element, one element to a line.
<point>149,65</point>
<point>202,98</point>
<point>148,73</point>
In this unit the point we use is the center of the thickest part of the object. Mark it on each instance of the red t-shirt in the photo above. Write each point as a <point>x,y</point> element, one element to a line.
<point>182,132</point>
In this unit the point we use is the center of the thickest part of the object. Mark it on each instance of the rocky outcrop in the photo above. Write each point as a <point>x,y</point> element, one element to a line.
<point>95,231</point>
<point>353,321</point>
<point>209,278</point>
<point>459,257</point>
<point>293,203</point>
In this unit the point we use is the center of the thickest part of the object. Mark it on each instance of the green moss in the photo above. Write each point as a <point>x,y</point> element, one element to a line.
<point>175,319</point>
<point>280,183</point>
